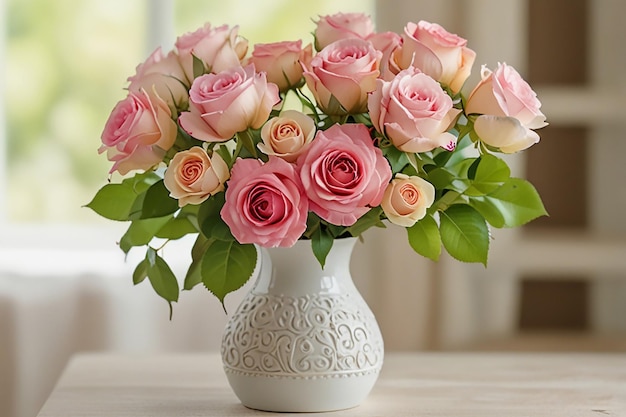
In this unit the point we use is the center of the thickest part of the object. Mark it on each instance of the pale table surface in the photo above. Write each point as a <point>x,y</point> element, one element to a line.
<point>416,384</point>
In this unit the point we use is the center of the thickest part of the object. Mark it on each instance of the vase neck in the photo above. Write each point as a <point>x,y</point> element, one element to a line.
<point>296,271</point>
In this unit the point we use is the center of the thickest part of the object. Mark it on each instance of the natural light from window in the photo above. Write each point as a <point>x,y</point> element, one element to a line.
<point>66,64</point>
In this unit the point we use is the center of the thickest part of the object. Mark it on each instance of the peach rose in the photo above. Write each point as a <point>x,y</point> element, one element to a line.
<point>332,28</point>
<point>437,52</point>
<point>218,48</point>
<point>192,176</point>
<point>508,108</point>
<point>406,199</point>
<point>414,112</point>
<point>138,133</point>
<point>342,74</point>
<point>288,135</point>
<point>265,203</point>
<point>281,62</point>
<point>343,173</point>
<point>165,74</point>
<point>220,105</point>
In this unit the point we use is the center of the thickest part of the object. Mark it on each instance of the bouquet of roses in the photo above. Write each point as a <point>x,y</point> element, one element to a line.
<point>360,129</point>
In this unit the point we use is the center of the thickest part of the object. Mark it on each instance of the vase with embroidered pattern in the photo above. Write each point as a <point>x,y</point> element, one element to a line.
<point>303,339</point>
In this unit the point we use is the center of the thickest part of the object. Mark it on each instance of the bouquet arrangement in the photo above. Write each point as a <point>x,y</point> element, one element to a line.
<point>359,129</point>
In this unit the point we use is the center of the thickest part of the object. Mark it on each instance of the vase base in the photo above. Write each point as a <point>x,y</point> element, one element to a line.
<point>301,395</point>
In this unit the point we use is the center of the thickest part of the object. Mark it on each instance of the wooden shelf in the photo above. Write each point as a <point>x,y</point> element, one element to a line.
<point>555,341</point>
<point>562,252</point>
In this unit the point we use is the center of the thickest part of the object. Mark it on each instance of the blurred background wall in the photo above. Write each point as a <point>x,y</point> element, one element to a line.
<point>557,284</point>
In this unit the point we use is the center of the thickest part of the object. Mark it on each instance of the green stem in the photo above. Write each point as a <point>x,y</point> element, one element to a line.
<point>246,140</point>
<point>445,201</point>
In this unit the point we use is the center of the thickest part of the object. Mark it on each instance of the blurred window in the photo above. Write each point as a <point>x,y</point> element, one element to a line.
<point>65,65</point>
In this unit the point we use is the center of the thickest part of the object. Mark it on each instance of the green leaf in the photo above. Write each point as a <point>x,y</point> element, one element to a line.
<point>491,173</point>
<point>489,209</point>
<point>227,266</point>
<point>514,204</point>
<point>119,201</point>
<point>321,243</point>
<point>446,200</point>
<point>456,175</point>
<point>141,232</point>
<point>198,67</point>
<point>226,154</point>
<point>424,238</point>
<point>368,220</point>
<point>141,272</point>
<point>140,182</point>
<point>334,107</point>
<point>397,159</point>
<point>193,276</point>
<point>161,276</point>
<point>194,273</point>
<point>455,157</point>
<point>246,139</point>
<point>176,228</point>
<point>440,178</point>
<point>210,220</point>
<point>464,234</point>
<point>157,202</point>
<point>114,201</point>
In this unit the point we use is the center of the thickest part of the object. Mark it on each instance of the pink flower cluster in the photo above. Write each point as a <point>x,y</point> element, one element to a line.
<point>326,159</point>
<point>339,177</point>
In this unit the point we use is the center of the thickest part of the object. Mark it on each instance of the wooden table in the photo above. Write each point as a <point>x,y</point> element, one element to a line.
<point>416,384</point>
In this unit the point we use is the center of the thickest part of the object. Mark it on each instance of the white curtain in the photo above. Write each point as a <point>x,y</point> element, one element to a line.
<point>54,303</point>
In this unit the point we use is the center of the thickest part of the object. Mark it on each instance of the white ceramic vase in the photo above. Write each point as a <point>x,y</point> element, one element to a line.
<point>303,339</point>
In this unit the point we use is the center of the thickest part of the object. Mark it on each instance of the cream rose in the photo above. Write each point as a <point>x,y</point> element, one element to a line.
<point>218,48</point>
<point>509,110</point>
<point>192,176</point>
<point>288,135</point>
<point>332,28</point>
<point>164,74</point>
<point>406,199</point>
<point>435,51</point>
<point>281,62</point>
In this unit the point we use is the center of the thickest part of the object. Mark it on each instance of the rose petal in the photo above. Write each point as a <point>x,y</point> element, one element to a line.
<point>506,133</point>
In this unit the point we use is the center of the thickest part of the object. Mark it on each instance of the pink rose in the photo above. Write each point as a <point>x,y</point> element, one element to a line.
<point>355,26</point>
<point>387,43</point>
<point>218,48</point>
<point>338,26</point>
<point>414,112</point>
<point>265,203</point>
<point>343,173</point>
<point>509,109</point>
<point>192,176</point>
<point>437,52</point>
<point>220,105</point>
<point>288,135</point>
<point>165,74</point>
<point>138,133</point>
<point>342,74</point>
<point>406,199</point>
<point>281,62</point>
